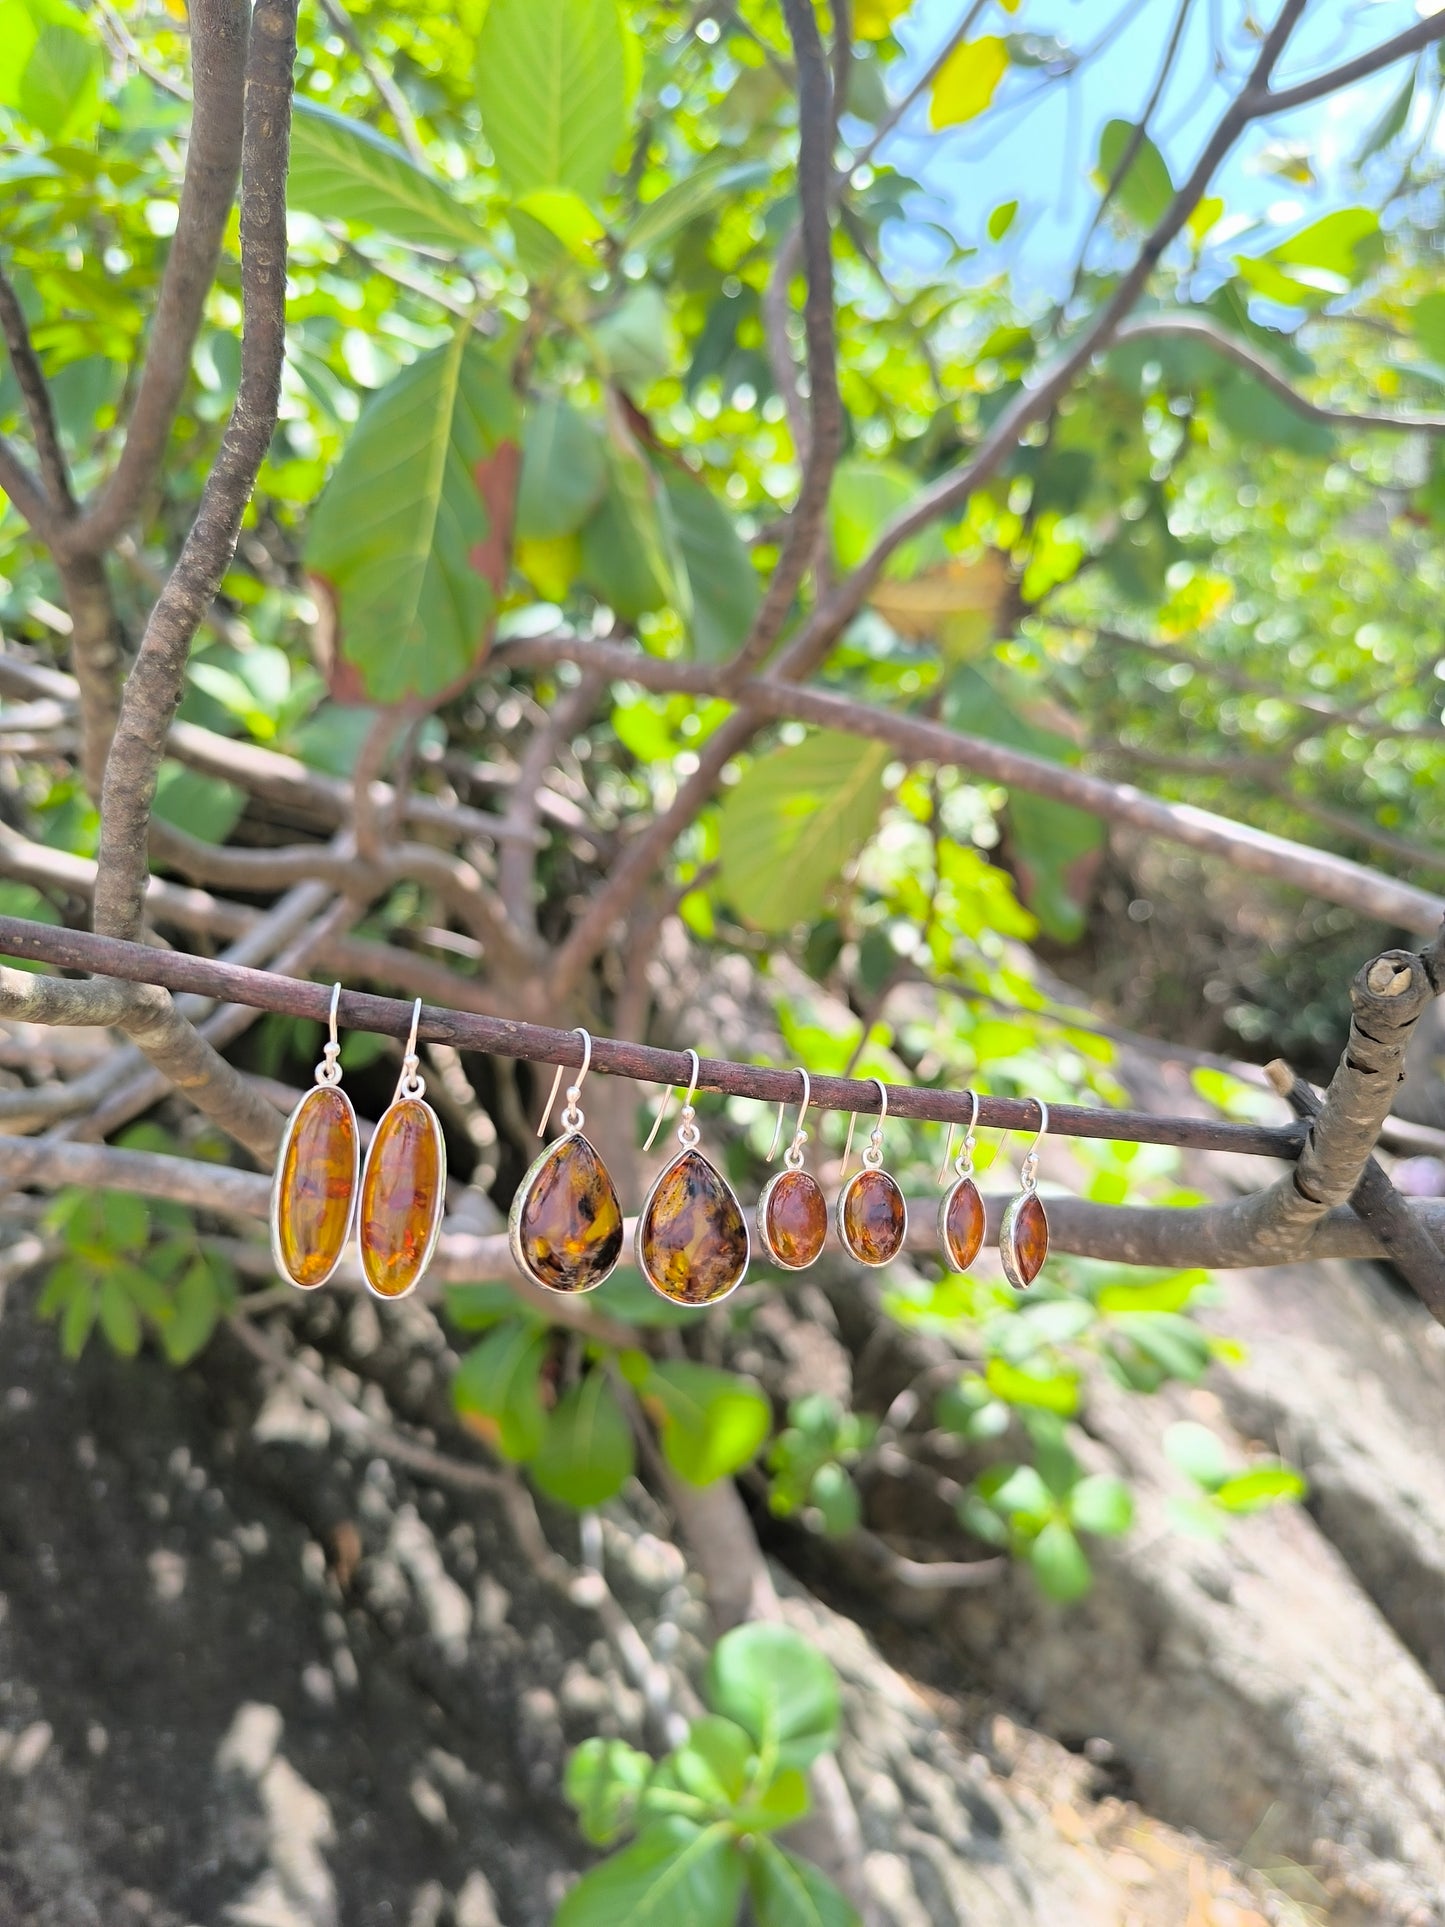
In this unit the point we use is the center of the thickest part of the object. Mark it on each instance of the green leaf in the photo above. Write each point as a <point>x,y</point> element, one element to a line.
<point>75,1326</point>
<point>1101,1504</point>
<point>586,1455</point>
<point>342,170</point>
<point>51,67</point>
<point>119,1319</point>
<point>555,80</point>
<point>782,1803</point>
<point>865,495</point>
<point>1345,243</point>
<point>1197,1518</point>
<point>698,192</point>
<point>1168,1340</point>
<point>794,820</point>
<point>1016,1490</point>
<point>967,81</point>
<point>1051,1392</point>
<point>567,216</point>
<point>500,1382</point>
<point>675,1871</point>
<point>1261,1486</point>
<point>630,555</point>
<point>193,1317</point>
<point>1427,319</point>
<point>1002,219</point>
<point>713,1423</point>
<point>789,1892</point>
<point>393,540</point>
<point>1198,1453</point>
<point>725,586</point>
<point>835,1495</point>
<point>1059,1563</point>
<point>1146,190</point>
<point>638,342</point>
<point>779,1688</point>
<point>202,806</point>
<point>564,471</point>
<point>474,1308</point>
<point>715,1760</point>
<point>604,1782</point>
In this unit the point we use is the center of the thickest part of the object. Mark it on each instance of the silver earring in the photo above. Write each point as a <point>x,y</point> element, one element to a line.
<point>872,1213</point>
<point>692,1237</point>
<point>565,1224</point>
<point>313,1195</point>
<point>961,1216</point>
<point>1023,1237</point>
<point>792,1212</point>
<point>404,1186</point>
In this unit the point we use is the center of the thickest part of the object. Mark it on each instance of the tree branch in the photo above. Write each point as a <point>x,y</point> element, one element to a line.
<point>35,392</point>
<point>155,684</point>
<point>1413,40</point>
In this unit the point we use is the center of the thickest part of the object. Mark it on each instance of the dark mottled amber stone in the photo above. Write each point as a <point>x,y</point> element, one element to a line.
<point>567,1225</point>
<point>692,1240</point>
<point>402,1195</point>
<point>961,1224</point>
<point>316,1188</point>
<point>793,1219</point>
<point>872,1217</point>
<point>1023,1239</point>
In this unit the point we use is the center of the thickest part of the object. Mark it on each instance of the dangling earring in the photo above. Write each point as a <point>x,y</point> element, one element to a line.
<point>961,1213</point>
<point>404,1186</point>
<point>792,1212</point>
<point>565,1224</point>
<point>692,1238</point>
<point>313,1195</point>
<point>1023,1237</point>
<point>872,1214</point>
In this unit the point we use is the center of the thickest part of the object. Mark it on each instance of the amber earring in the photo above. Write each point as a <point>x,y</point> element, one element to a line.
<point>313,1196</point>
<point>692,1238</point>
<point>792,1212</point>
<point>403,1189</point>
<point>1023,1237</point>
<point>565,1224</point>
<point>961,1213</point>
<point>872,1214</point>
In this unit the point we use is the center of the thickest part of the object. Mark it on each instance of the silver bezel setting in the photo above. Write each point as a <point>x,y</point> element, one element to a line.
<point>873,1264</point>
<point>395,1297</point>
<point>519,1205</point>
<point>764,1240</point>
<point>277,1257</point>
<point>945,1249</point>
<point>689,1150</point>
<point>1007,1251</point>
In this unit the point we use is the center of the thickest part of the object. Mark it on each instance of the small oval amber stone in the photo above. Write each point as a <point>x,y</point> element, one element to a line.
<point>316,1187</point>
<point>872,1217</point>
<point>402,1195</point>
<point>569,1222</point>
<point>961,1224</point>
<point>1023,1242</point>
<point>692,1239</point>
<point>794,1219</point>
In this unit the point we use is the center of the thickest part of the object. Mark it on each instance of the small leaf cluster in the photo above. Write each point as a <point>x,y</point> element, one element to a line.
<point>701,1820</point>
<point>810,1464</point>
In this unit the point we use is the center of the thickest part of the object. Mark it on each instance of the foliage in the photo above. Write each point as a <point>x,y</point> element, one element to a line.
<point>701,1819</point>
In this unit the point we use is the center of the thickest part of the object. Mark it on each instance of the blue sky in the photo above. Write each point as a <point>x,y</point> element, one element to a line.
<point>1042,151</point>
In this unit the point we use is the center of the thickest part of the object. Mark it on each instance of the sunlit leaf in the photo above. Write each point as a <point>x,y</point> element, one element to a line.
<point>555,80</point>
<point>967,81</point>
<point>343,170</point>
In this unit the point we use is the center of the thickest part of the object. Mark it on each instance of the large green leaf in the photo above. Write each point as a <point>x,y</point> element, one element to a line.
<point>697,193</point>
<point>675,1872</point>
<point>779,1688</point>
<point>396,538</point>
<point>720,572</point>
<point>498,1387</point>
<point>555,80</point>
<point>791,824</point>
<point>564,471</point>
<point>630,552</point>
<point>587,1454</point>
<point>713,1422</point>
<point>789,1892</point>
<point>1146,189</point>
<point>342,170</point>
<point>51,65</point>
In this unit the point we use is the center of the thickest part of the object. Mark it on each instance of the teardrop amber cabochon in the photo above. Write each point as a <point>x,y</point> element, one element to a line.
<point>314,1193</point>
<point>566,1222</point>
<point>872,1217</point>
<point>1023,1240</point>
<point>402,1196</point>
<point>692,1238</point>
<point>961,1224</point>
<point>793,1219</point>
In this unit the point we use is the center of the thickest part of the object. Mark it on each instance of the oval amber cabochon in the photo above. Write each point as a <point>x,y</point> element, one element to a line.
<point>794,1219</point>
<point>872,1217</point>
<point>962,1224</point>
<point>692,1238</point>
<point>316,1187</point>
<point>568,1227</point>
<point>1024,1239</point>
<point>402,1195</point>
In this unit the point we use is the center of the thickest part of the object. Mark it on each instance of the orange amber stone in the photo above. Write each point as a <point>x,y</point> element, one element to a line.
<point>566,1224</point>
<point>1023,1240</point>
<point>793,1219</point>
<point>872,1217</point>
<point>402,1195</point>
<point>960,1224</point>
<point>692,1240</point>
<point>315,1188</point>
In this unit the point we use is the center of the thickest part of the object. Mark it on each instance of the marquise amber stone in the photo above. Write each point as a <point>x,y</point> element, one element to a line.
<point>692,1241</point>
<point>569,1228</point>
<point>963,1223</point>
<point>316,1187</point>
<point>1024,1242</point>
<point>874,1218</point>
<point>401,1198</point>
<point>795,1219</point>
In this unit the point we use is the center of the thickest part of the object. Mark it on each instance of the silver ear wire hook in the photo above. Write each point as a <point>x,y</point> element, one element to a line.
<point>873,1156</point>
<point>793,1157</point>
<point>1029,1169</point>
<point>411,1083</point>
<point>963,1165</point>
<point>688,1132</point>
<point>328,1071</point>
<point>335,1006</point>
<point>572,1119</point>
